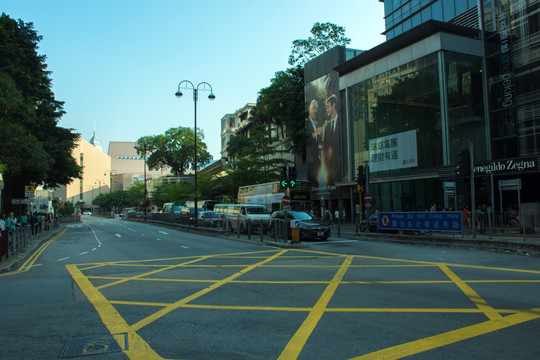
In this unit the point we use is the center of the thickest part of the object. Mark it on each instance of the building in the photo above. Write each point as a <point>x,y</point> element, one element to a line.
<point>410,108</point>
<point>95,178</point>
<point>402,15</point>
<point>234,124</point>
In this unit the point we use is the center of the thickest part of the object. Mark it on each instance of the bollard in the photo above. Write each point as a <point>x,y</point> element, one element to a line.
<point>238,227</point>
<point>261,230</point>
<point>338,228</point>
<point>249,229</point>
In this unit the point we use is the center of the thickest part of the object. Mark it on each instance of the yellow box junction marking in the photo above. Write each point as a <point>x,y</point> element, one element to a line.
<point>273,259</point>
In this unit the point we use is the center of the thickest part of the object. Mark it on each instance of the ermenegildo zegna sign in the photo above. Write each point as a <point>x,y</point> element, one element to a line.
<point>506,166</point>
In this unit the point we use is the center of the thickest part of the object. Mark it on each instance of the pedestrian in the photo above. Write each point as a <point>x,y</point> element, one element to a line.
<point>479,219</point>
<point>33,223</point>
<point>467,216</point>
<point>11,222</point>
<point>328,216</point>
<point>343,215</point>
<point>336,216</point>
<point>434,207</point>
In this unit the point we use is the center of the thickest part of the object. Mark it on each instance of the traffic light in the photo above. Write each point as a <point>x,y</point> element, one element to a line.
<point>360,177</point>
<point>463,167</point>
<point>292,176</point>
<point>283,177</point>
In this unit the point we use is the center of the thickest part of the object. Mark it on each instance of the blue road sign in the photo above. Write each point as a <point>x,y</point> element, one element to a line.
<point>421,220</point>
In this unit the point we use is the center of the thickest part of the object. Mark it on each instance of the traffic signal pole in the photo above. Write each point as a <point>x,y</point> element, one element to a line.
<point>473,197</point>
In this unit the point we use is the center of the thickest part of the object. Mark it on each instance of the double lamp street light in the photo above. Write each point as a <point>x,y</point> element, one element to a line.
<point>203,86</point>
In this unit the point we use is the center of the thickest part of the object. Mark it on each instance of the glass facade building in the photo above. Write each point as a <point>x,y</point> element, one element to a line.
<point>422,94</point>
<point>446,80</point>
<point>403,15</point>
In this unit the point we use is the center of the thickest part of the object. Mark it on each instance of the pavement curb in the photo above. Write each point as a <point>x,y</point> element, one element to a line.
<point>16,260</point>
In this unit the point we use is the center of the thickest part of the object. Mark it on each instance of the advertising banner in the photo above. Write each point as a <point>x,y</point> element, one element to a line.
<point>323,129</point>
<point>393,152</point>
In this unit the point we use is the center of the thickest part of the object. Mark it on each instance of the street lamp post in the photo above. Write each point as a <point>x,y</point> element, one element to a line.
<point>188,85</point>
<point>145,189</point>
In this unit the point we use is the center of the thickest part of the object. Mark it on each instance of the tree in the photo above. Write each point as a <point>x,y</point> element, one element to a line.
<point>174,150</point>
<point>283,103</point>
<point>33,149</point>
<point>325,36</point>
<point>256,159</point>
<point>181,191</point>
<point>107,201</point>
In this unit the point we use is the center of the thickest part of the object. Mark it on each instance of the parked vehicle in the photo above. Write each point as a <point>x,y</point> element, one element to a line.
<point>372,223</point>
<point>310,228</point>
<point>187,214</point>
<point>173,209</point>
<point>238,215</point>
<point>210,218</point>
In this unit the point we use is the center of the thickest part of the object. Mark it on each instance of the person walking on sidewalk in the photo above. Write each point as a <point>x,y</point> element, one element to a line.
<point>11,222</point>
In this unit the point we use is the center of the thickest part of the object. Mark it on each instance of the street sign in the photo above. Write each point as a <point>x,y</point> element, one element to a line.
<point>29,194</point>
<point>286,200</point>
<point>19,201</point>
<point>368,198</point>
<point>420,220</point>
<point>29,188</point>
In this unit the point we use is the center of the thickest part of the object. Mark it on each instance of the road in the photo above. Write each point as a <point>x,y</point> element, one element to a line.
<point>115,289</point>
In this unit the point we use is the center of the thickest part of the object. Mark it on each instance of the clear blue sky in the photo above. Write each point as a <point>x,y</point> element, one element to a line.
<point>118,63</point>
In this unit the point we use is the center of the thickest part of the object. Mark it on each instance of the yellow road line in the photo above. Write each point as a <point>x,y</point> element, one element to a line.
<point>296,344</point>
<point>200,293</point>
<point>138,349</point>
<point>490,312</point>
<point>27,265</point>
<point>433,342</point>
<point>170,267</point>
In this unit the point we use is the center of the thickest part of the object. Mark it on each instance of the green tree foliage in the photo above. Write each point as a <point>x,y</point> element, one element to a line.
<point>182,191</point>
<point>256,160</point>
<point>325,36</point>
<point>32,147</point>
<point>66,208</point>
<point>174,150</point>
<point>117,198</point>
<point>283,103</point>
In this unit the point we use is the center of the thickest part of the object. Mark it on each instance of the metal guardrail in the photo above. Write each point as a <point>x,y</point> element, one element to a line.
<point>12,241</point>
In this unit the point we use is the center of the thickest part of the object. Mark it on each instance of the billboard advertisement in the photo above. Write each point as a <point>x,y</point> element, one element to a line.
<point>323,128</point>
<point>391,152</point>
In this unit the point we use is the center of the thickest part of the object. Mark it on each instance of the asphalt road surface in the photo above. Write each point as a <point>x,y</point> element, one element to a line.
<point>113,289</point>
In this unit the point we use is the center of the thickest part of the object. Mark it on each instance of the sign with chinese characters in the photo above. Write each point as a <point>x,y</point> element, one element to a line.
<point>421,221</point>
<point>393,152</point>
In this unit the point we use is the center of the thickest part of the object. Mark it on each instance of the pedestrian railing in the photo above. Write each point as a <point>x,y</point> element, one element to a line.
<point>12,241</point>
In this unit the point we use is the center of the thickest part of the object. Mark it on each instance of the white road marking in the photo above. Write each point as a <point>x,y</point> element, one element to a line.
<point>185,247</point>
<point>118,235</point>
<point>158,239</point>
<point>37,265</point>
<point>86,252</point>
<point>163,232</point>
<point>94,249</point>
<point>62,259</point>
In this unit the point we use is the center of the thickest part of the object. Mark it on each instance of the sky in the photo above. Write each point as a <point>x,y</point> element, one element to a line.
<point>117,63</point>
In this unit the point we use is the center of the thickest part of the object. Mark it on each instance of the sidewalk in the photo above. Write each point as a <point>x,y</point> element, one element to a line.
<point>17,259</point>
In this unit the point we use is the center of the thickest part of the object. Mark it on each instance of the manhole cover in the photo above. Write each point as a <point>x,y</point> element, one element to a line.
<point>92,345</point>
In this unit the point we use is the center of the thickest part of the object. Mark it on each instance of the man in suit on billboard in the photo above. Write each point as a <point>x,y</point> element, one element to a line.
<point>331,144</point>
